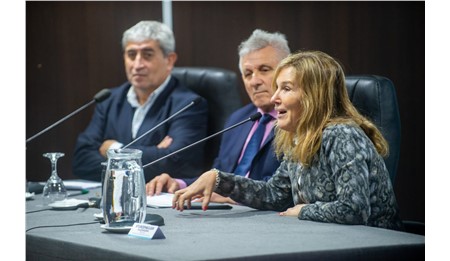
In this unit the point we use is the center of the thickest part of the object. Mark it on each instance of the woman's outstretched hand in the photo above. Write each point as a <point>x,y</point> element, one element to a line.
<point>202,187</point>
<point>293,212</point>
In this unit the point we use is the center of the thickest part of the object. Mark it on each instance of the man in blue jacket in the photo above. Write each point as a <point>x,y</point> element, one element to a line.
<point>149,96</point>
<point>259,56</point>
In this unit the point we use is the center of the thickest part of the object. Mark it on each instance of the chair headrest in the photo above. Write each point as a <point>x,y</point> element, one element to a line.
<point>220,88</point>
<point>375,97</point>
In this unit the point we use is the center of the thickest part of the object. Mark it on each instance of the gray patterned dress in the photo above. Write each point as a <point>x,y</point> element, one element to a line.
<point>347,183</point>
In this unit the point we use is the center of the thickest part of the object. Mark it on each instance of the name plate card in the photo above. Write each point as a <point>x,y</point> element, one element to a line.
<point>146,231</point>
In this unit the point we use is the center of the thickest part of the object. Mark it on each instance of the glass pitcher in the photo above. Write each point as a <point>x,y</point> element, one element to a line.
<point>124,199</point>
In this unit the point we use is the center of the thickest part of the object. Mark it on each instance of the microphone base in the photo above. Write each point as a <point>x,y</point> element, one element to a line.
<point>154,219</point>
<point>35,187</point>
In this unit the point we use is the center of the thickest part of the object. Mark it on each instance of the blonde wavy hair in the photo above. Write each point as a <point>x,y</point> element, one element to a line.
<point>324,102</point>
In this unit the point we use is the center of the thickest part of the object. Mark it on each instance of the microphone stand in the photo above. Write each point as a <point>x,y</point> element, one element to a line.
<point>58,122</point>
<point>254,117</point>
<point>197,100</point>
<point>99,97</point>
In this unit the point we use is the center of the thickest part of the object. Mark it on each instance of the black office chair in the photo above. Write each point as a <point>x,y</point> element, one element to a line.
<point>375,97</point>
<point>220,88</point>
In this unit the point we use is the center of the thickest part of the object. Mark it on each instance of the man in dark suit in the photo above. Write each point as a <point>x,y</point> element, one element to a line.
<point>149,96</point>
<point>259,56</point>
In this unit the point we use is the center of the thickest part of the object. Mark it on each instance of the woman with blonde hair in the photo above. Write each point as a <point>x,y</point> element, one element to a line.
<point>332,168</point>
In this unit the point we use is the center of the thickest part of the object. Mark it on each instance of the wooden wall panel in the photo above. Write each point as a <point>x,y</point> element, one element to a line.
<point>73,51</point>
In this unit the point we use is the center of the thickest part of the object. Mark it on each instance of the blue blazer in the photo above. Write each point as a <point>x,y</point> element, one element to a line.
<point>112,120</point>
<point>265,162</point>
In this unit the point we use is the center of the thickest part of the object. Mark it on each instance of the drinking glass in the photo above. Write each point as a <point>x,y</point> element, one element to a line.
<point>54,189</point>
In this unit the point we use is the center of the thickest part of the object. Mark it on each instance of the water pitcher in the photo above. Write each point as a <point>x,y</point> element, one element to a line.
<point>124,198</point>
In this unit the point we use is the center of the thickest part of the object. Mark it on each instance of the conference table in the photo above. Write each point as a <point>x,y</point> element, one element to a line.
<point>239,233</point>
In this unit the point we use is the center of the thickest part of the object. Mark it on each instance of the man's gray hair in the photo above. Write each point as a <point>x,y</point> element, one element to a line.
<point>261,39</point>
<point>150,30</point>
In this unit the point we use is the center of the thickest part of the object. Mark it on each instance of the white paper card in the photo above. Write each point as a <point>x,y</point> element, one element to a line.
<point>164,200</point>
<point>146,231</point>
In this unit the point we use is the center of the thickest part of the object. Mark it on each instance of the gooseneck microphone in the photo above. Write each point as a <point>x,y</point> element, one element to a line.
<point>99,97</point>
<point>192,103</point>
<point>253,117</point>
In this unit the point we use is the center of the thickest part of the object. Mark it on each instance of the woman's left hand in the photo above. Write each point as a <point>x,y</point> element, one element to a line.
<point>293,212</point>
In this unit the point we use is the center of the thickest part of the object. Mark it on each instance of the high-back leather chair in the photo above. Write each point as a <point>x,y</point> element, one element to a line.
<point>375,97</point>
<point>220,88</point>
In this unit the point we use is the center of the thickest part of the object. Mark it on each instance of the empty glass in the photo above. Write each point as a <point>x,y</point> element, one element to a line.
<point>54,189</point>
